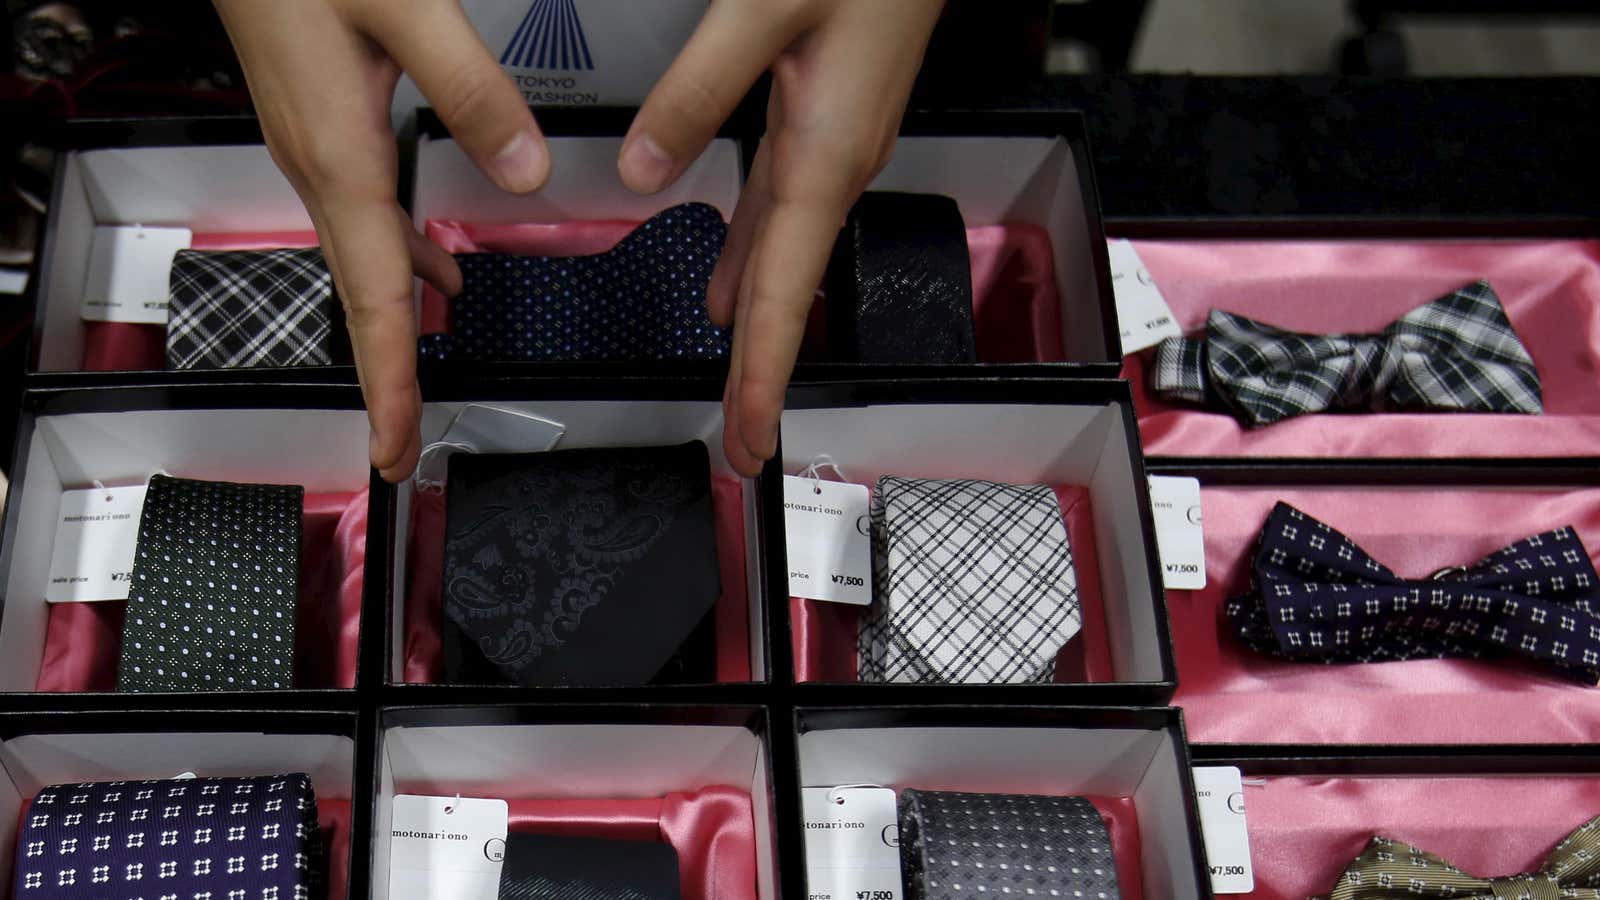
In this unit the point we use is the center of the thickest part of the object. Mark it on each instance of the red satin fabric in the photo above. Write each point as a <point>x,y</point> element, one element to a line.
<point>125,346</point>
<point>1305,831</point>
<point>824,634</point>
<point>1550,289</point>
<point>712,829</point>
<point>424,656</point>
<point>1016,312</point>
<point>1231,695</point>
<point>83,640</point>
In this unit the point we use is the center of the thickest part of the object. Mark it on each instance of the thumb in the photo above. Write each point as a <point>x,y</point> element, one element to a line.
<point>437,46</point>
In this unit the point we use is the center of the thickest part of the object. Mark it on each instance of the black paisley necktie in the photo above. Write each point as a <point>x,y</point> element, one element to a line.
<point>582,567</point>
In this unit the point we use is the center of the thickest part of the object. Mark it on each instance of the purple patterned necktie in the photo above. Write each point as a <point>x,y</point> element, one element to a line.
<point>196,839</point>
<point>1316,596</point>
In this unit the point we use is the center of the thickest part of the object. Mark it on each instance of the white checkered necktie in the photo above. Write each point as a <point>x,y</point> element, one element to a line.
<point>1458,353</point>
<point>250,308</point>
<point>974,583</point>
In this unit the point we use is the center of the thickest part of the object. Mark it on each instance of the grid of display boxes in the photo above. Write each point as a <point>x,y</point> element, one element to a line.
<point>1486,762</point>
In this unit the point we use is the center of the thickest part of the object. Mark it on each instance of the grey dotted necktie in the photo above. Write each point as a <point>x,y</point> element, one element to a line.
<point>216,577</point>
<point>960,846</point>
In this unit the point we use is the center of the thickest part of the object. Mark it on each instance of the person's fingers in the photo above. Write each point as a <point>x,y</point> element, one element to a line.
<point>429,261</point>
<point>733,445</point>
<point>729,50</point>
<point>437,46</point>
<point>366,247</point>
<point>722,294</point>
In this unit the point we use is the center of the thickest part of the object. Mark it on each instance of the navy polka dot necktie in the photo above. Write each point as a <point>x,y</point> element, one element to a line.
<point>644,299</point>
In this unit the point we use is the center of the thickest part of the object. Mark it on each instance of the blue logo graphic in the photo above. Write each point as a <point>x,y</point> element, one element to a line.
<point>550,37</point>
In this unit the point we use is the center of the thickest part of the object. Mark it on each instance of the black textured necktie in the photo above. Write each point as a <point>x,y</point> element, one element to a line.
<point>899,285</point>
<point>583,567</point>
<point>249,838</point>
<point>644,299</point>
<point>234,309</point>
<point>544,867</point>
<point>216,576</point>
<point>960,846</point>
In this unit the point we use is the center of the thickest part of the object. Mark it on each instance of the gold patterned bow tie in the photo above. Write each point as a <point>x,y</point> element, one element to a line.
<point>1390,870</point>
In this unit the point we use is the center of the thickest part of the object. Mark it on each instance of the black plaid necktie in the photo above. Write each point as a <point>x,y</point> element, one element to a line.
<point>247,308</point>
<point>196,839</point>
<point>216,575</point>
<point>973,582</point>
<point>1316,596</point>
<point>957,846</point>
<point>1458,353</point>
<point>643,299</point>
<point>583,567</point>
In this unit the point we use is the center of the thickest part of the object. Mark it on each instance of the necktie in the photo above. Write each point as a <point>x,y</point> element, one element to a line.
<point>1458,353</point>
<point>216,574</point>
<point>544,867</point>
<point>198,839</point>
<point>899,285</point>
<point>1316,596</point>
<point>643,299</point>
<point>247,308</point>
<point>585,567</point>
<point>1394,870</point>
<point>973,581</point>
<point>956,846</point>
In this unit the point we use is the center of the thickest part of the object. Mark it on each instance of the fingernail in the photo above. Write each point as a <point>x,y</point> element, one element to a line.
<point>645,166</point>
<point>520,166</point>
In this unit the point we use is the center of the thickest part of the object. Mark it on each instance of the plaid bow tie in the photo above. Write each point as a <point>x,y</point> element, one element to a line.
<point>643,299</point>
<point>1458,353</point>
<point>1316,596</point>
<point>247,308</point>
<point>1394,870</point>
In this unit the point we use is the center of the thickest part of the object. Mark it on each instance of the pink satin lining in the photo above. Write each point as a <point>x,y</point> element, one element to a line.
<point>1305,831</point>
<point>83,640</point>
<point>125,347</point>
<point>824,633</point>
<point>423,608</point>
<point>1016,312</point>
<point>1231,695</point>
<point>1550,289</point>
<point>712,829</point>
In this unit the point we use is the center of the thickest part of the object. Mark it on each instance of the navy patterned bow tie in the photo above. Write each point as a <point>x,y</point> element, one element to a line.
<point>1458,353</point>
<point>1316,596</point>
<point>643,299</point>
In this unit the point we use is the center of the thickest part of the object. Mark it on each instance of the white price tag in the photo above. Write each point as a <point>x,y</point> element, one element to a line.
<point>852,843</point>
<point>446,848</point>
<point>828,534</point>
<point>129,268</point>
<point>1180,538</point>
<point>1142,312</point>
<point>1220,791</point>
<point>95,536</point>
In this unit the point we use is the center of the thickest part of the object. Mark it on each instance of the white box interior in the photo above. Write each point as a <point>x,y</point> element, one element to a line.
<point>1024,443</point>
<point>32,762</point>
<point>567,761</point>
<point>1112,762</point>
<point>600,423</point>
<point>319,449</point>
<point>214,189</point>
<point>1017,180</point>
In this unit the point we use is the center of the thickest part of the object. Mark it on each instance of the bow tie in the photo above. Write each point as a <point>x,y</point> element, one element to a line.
<point>643,299</point>
<point>1316,596</point>
<point>1458,353</point>
<point>1394,870</point>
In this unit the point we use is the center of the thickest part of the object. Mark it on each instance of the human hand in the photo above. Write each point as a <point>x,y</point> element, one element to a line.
<point>842,72</point>
<point>323,74</point>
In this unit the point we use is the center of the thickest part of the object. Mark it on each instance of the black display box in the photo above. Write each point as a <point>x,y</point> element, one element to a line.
<point>1136,754</point>
<point>1078,432</point>
<point>38,749</point>
<point>68,438</point>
